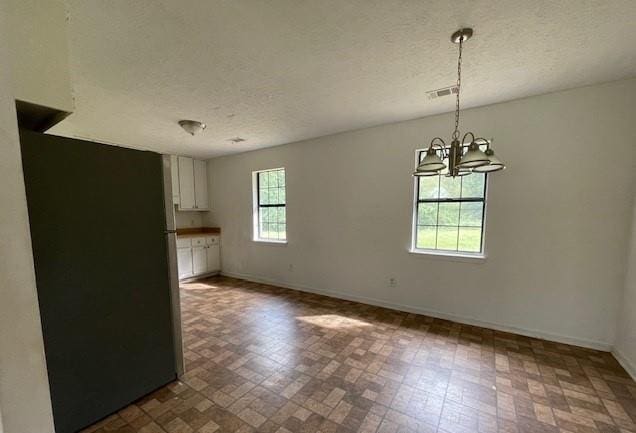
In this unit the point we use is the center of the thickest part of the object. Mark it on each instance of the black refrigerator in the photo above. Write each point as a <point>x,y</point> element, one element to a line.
<point>102,230</point>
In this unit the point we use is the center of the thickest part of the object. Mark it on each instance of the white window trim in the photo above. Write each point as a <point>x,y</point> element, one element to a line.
<point>255,228</point>
<point>270,241</point>
<point>462,256</point>
<point>449,255</point>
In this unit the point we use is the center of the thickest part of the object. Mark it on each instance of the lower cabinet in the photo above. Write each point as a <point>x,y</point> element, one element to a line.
<point>199,260</point>
<point>184,262</point>
<point>198,256</point>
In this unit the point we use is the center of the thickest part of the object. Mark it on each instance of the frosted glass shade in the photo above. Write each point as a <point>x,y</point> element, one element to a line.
<point>426,173</point>
<point>494,165</point>
<point>474,157</point>
<point>430,165</point>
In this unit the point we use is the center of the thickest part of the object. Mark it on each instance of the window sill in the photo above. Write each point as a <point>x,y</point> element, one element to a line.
<point>449,255</point>
<point>270,242</point>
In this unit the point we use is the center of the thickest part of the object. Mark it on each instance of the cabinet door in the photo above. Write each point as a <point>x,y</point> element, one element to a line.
<point>199,260</point>
<point>214,259</point>
<point>184,262</point>
<point>174,170</point>
<point>201,184</point>
<point>186,183</point>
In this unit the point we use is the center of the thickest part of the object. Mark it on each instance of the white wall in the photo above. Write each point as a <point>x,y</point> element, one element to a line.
<point>24,390</point>
<point>625,349</point>
<point>185,219</point>
<point>39,53</point>
<point>556,223</point>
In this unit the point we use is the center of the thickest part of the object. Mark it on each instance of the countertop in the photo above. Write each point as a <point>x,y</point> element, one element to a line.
<point>192,232</point>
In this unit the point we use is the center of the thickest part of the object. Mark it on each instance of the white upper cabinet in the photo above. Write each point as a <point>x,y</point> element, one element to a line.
<point>186,183</point>
<point>174,170</point>
<point>192,184</point>
<point>200,184</point>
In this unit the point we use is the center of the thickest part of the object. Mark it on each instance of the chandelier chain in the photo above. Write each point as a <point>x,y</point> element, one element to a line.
<point>459,83</point>
<point>459,158</point>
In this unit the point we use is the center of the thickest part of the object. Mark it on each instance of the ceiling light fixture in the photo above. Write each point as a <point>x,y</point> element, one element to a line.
<point>192,127</point>
<point>464,157</point>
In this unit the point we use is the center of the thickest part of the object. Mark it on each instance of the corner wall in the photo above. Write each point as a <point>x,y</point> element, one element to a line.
<point>25,402</point>
<point>556,218</point>
<point>625,348</point>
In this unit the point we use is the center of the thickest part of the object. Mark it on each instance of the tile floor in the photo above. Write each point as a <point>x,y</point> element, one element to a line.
<point>267,359</point>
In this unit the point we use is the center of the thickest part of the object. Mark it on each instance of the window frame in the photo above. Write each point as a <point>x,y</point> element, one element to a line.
<point>478,255</point>
<point>256,208</point>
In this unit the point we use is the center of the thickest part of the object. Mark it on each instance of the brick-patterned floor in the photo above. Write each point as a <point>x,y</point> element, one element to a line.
<point>267,359</point>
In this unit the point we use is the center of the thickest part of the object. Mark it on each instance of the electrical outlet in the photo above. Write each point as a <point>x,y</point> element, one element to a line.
<point>392,282</point>
<point>191,223</point>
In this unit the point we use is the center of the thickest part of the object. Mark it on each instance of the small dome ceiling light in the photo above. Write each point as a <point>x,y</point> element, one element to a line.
<point>192,127</point>
<point>463,156</point>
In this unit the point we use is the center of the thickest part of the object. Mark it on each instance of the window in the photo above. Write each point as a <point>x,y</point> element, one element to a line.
<point>270,220</point>
<point>449,213</point>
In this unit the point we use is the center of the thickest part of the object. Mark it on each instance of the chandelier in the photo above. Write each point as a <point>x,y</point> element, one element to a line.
<point>465,156</point>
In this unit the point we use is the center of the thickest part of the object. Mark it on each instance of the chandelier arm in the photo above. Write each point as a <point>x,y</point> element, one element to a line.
<point>466,135</point>
<point>442,146</point>
<point>438,138</point>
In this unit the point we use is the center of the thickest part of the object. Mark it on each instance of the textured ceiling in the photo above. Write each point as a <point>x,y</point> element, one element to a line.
<point>278,71</point>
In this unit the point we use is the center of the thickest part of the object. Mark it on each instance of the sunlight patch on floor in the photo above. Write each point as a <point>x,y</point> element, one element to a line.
<point>198,286</point>
<point>333,321</point>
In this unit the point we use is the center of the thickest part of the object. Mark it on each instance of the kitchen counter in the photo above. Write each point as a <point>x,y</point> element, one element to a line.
<point>192,232</point>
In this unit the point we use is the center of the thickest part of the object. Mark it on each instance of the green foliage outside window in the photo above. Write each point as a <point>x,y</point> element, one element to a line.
<point>272,217</point>
<point>450,213</point>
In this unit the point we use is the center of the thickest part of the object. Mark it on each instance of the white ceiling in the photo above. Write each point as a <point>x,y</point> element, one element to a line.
<point>278,71</point>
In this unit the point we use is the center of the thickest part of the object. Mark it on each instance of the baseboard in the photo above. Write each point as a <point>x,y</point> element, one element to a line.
<point>627,364</point>
<point>199,277</point>
<point>591,344</point>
